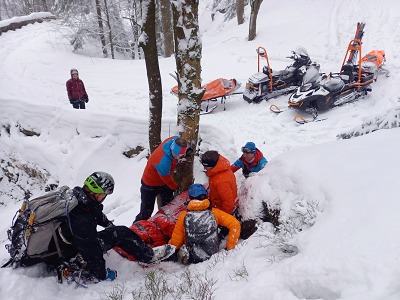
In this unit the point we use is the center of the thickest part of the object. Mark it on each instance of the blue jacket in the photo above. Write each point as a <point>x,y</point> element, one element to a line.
<point>256,165</point>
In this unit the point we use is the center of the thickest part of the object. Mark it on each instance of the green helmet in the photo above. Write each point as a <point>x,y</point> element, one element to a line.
<point>100,183</point>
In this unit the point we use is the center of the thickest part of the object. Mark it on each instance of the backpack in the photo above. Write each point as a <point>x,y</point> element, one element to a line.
<point>201,232</point>
<point>35,224</point>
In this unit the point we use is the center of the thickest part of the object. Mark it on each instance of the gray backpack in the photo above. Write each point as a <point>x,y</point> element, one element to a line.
<point>35,224</point>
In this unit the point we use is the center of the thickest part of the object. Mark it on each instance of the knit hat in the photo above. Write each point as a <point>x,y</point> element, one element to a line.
<point>74,71</point>
<point>210,158</point>
<point>250,147</point>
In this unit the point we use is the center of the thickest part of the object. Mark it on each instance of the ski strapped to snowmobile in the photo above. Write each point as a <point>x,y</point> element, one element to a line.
<point>217,89</point>
<point>267,84</point>
<point>320,92</point>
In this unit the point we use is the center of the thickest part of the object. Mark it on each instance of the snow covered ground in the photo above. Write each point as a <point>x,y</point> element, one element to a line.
<point>338,198</point>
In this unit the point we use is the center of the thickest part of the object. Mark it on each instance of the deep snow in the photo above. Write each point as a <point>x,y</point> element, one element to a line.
<point>338,198</point>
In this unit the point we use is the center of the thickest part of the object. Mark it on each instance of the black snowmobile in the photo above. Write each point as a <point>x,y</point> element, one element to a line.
<point>270,84</point>
<point>320,92</point>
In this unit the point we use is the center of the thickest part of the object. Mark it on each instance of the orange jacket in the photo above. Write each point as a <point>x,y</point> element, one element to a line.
<point>161,166</point>
<point>223,219</point>
<point>222,185</point>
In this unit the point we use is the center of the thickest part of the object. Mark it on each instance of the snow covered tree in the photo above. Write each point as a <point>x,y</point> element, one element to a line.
<point>188,50</point>
<point>255,7</point>
<point>148,42</point>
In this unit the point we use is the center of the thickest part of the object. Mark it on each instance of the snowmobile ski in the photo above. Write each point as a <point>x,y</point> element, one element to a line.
<point>275,109</point>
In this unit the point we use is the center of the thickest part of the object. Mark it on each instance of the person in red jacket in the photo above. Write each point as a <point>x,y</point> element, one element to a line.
<point>157,175</point>
<point>222,181</point>
<point>76,91</point>
<point>251,161</point>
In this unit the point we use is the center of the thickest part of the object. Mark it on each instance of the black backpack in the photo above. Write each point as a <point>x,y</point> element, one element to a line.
<point>35,224</point>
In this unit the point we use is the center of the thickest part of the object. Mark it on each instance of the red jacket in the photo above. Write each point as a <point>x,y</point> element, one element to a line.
<point>157,230</point>
<point>222,184</point>
<point>76,90</point>
<point>160,166</point>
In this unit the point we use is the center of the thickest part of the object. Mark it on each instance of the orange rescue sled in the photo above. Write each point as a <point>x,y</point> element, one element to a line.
<point>218,88</point>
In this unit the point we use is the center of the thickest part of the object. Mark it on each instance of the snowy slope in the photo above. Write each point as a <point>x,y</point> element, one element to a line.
<point>341,193</point>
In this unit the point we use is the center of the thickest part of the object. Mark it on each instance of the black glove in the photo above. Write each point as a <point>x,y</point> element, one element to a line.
<point>87,100</point>
<point>72,101</point>
<point>176,192</point>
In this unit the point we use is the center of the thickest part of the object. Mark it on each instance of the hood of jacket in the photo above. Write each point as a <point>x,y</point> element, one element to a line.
<point>222,165</point>
<point>198,204</point>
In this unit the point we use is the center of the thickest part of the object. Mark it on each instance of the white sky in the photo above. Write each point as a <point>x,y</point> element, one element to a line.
<point>338,198</point>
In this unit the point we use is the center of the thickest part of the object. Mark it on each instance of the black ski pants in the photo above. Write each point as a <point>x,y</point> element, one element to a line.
<point>127,240</point>
<point>148,196</point>
<point>78,104</point>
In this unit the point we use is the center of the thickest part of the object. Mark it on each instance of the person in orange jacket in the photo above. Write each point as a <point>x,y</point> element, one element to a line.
<point>196,231</point>
<point>222,181</point>
<point>157,175</point>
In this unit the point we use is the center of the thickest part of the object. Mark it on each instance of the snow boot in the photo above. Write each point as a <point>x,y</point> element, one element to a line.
<point>162,253</point>
<point>183,255</point>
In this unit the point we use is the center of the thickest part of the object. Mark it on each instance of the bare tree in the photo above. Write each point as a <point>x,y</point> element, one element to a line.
<point>101,28</point>
<point>166,23</point>
<point>149,45</point>
<point>255,7</point>
<point>240,11</point>
<point>188,50</point>
<point>110,32</point>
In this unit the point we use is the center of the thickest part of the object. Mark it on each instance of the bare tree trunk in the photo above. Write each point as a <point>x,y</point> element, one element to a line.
<point>240,11</point>
<point>110,35</point>
<point>186,32</point>
<point>255,7</point>
<point>101,28</point>
<point>149,46</point>
<point>44,5</point>
<point>166,22</point>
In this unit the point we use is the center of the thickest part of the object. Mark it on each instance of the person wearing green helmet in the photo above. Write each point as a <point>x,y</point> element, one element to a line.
<point>78,234</point>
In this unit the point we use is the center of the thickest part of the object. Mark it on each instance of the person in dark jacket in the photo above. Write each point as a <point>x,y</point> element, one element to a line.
<point>76,91</point>
<point>196,231</point>
<point>79,234</point>
<point>157,176</point>
<point>251,161</point>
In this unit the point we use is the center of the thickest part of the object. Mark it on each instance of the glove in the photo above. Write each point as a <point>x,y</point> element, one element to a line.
<point>87,100</point>
<point>176,193</point>
<point>72,101</point>
<point>111,274</point>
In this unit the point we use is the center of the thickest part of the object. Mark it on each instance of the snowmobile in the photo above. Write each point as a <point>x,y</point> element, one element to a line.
<point>320,92</point>
<point>270,84</point>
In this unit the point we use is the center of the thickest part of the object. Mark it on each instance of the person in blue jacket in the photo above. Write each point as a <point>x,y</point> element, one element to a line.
<point>251,161</point>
